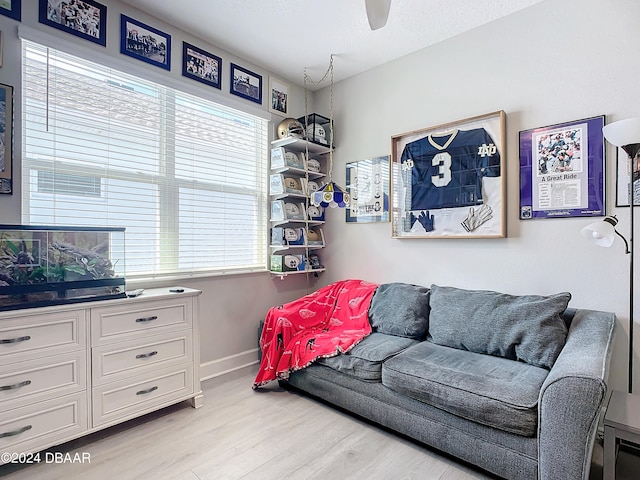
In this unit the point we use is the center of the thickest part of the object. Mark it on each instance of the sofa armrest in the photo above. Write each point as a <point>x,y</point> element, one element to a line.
<point>572,395</point>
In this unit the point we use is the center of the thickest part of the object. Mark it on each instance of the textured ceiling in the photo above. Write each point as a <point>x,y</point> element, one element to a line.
<point>287,36</point>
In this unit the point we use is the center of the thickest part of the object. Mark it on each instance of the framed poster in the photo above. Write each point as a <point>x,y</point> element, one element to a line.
<point>11,8</point>
<point>368,187</point>
<point>246,84</point>
<point>279,94</point>
<point>145,43</point>
<point>623,179</point>
<point>6,139</point>
<point>201,65</point>
<point>83,18</point>
<point>562,170</point>
<point>448,181</point>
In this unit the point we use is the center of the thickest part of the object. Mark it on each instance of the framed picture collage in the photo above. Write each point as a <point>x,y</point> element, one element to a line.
<point>87,19</point>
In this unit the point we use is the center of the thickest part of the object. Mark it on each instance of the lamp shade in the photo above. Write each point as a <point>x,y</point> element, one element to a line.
<point>601,233</point>
<point>623,132</point>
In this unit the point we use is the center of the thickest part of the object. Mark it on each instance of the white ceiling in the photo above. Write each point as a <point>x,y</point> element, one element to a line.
<point>287,36</point>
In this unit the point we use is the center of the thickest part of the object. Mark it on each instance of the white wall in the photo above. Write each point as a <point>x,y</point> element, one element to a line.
<point>558,61</point>
<point>230,306</point>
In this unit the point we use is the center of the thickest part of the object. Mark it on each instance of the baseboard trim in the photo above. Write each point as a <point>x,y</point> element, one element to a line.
<point>226,365</point>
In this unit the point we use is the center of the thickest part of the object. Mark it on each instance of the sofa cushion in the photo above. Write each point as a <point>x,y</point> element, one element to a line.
<point>493,391</point>
<point>364,361</point>
<point>400,309</point>
<point>529,328</point>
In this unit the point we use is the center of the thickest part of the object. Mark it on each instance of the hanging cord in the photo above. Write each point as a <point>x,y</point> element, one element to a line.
<point>47,94</point>
<point>309,80</point>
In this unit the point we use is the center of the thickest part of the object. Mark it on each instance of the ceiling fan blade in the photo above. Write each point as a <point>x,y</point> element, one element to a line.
<point>377,12</point>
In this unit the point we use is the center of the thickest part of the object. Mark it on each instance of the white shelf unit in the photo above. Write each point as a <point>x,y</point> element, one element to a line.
<point>315,150</point>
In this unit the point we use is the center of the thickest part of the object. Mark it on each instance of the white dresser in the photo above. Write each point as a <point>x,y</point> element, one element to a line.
<point>69,370</point>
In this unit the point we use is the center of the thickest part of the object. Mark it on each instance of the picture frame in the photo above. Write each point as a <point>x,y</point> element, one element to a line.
<point>623,179</point>
<point>11,9</point>
<point>86,19</point>
<point>278,97</point>
<point>246,84</point>
<point>202,66</point>
<point>6,139</point>
<point>368,187</point>
<point>449,181</point>
<point>145,43</point>
<point>562,170</point>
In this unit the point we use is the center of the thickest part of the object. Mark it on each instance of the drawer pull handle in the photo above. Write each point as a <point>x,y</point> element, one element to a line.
<point>147,355</point>
<point>15,386</point>
<point>15,432</point>
<point>148,390</point>
<point>146,319</point>
<point>16,340</point>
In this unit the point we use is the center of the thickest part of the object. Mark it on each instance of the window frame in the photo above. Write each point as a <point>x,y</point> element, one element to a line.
<point>169,186</point>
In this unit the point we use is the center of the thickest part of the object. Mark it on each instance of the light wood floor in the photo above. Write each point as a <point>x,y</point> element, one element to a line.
<point>265,434</point>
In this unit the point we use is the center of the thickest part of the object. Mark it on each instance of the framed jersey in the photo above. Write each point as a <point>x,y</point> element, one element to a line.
<point>448,181</point>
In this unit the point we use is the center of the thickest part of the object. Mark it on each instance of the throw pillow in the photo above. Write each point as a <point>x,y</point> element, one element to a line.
<point>528,328</point>
<point>400,309</point>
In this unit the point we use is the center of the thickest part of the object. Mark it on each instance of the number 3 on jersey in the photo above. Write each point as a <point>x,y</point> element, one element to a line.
<point>443,161</point>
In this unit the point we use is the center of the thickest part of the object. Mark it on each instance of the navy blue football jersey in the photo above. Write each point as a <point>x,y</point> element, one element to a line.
<point>446,171</point>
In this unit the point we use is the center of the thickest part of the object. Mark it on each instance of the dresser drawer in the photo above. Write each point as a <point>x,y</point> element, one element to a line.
<point>124,359</point>
<point>41,335</point>
<point>117,400</point>
<point>128,320</point>
<point>38,426</point>
<point>36,380</point>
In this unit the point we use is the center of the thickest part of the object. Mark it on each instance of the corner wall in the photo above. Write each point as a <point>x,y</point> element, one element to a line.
<point>558,61</point>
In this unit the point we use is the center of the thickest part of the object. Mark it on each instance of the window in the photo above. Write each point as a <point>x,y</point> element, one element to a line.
<point>185,176</point>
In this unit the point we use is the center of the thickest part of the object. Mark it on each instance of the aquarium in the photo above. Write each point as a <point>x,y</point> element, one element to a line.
<point>42,266</point>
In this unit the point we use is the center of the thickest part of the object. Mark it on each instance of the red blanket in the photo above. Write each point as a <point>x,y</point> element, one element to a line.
<point>329,321</point>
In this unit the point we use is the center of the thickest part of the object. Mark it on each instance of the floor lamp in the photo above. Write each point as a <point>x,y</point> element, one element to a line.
<point>626,135</point>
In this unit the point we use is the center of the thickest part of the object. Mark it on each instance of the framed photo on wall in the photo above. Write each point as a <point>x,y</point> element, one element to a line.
<point>83,18</point>
<point>623,179</point>
<point>201,65</point>
<point>448,181</point>
<point>278,97</point>
<point>145,43</point>
<point>11,9</point>
<point>562,170</point>
<point>368,188</point>
<point>246,84</point>
<point>6,139</point>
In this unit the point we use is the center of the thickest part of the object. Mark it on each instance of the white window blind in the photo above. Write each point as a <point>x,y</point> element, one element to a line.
<point>186,177</point>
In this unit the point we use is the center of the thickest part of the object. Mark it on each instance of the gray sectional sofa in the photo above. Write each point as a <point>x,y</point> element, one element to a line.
<point>511,384</point>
